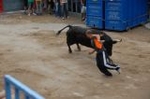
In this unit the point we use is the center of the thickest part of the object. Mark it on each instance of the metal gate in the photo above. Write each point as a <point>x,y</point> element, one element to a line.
<point>12,5</point>
<point>74,6</point>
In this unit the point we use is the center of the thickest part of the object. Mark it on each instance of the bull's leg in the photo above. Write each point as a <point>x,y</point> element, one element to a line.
<point>79,48</point>
<point>69,48</point>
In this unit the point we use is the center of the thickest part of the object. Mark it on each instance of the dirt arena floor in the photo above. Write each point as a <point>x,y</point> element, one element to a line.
<point>30,51</point>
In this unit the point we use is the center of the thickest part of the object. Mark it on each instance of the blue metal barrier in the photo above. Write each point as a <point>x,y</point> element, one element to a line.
<point>19,87</point>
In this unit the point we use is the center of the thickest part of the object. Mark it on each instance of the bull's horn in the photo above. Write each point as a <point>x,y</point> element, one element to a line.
<point>117,40</point>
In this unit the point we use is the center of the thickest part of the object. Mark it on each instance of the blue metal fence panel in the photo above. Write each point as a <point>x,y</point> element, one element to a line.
<point>144,11</point>
<point>94,14</point>
<point>13,5</point>
<point>92,21</point>
<point>138,12</point>
<point>115,14</point>
<point>130,13</point>
<point>135,16</point>
<point>113,5</point>
<point>116,25</point>
<point>94,1</point>
<point>149,9</point>
<point>94,9</point>
<point>123,14</point>
<point>19,87</point>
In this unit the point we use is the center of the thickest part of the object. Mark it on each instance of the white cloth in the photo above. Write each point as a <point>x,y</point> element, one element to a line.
<point>83,9</point>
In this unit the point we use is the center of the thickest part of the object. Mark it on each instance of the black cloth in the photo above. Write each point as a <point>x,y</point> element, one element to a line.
<point>25,3</point>
<point>101,65</point>
<point>84,2</point>
<point>51,3</point>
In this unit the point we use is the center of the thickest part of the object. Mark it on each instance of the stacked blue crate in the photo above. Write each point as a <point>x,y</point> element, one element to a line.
<point>94,14</point>
<point>123,14</point>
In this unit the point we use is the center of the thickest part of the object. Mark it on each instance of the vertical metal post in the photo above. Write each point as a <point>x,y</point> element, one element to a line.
<point>76,4</point>
<point>7,90</point>
<point>27,97</point>
<point>71,5</point>
<point>17,96</point>
<point>149,10</point>
<point>19,87</point>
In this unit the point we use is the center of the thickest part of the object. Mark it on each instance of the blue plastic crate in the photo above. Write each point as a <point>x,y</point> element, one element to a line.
<point>94,9</point>
<point>96,22</point>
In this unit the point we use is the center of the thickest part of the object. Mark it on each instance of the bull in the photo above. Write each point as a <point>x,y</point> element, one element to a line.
<point>76,35</point>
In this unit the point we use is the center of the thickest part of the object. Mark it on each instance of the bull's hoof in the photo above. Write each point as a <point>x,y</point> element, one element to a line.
<point>70,52</point>
<point>79,49</point>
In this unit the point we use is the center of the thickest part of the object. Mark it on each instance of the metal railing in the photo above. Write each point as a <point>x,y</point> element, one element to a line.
<point>19,88</point>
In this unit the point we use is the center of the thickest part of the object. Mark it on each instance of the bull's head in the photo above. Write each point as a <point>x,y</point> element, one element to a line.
<point>108,44</point>
<point>116,40</point>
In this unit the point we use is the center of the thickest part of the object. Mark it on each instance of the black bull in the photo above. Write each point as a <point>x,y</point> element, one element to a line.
<point>76,35</point>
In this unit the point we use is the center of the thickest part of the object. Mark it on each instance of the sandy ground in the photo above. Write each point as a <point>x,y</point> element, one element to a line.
<point>30,51</point>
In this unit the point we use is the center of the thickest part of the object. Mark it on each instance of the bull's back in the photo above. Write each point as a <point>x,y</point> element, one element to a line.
<point>79,30</point>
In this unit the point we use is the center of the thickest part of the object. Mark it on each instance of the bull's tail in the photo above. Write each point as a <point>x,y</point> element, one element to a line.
<point>63,29</point>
